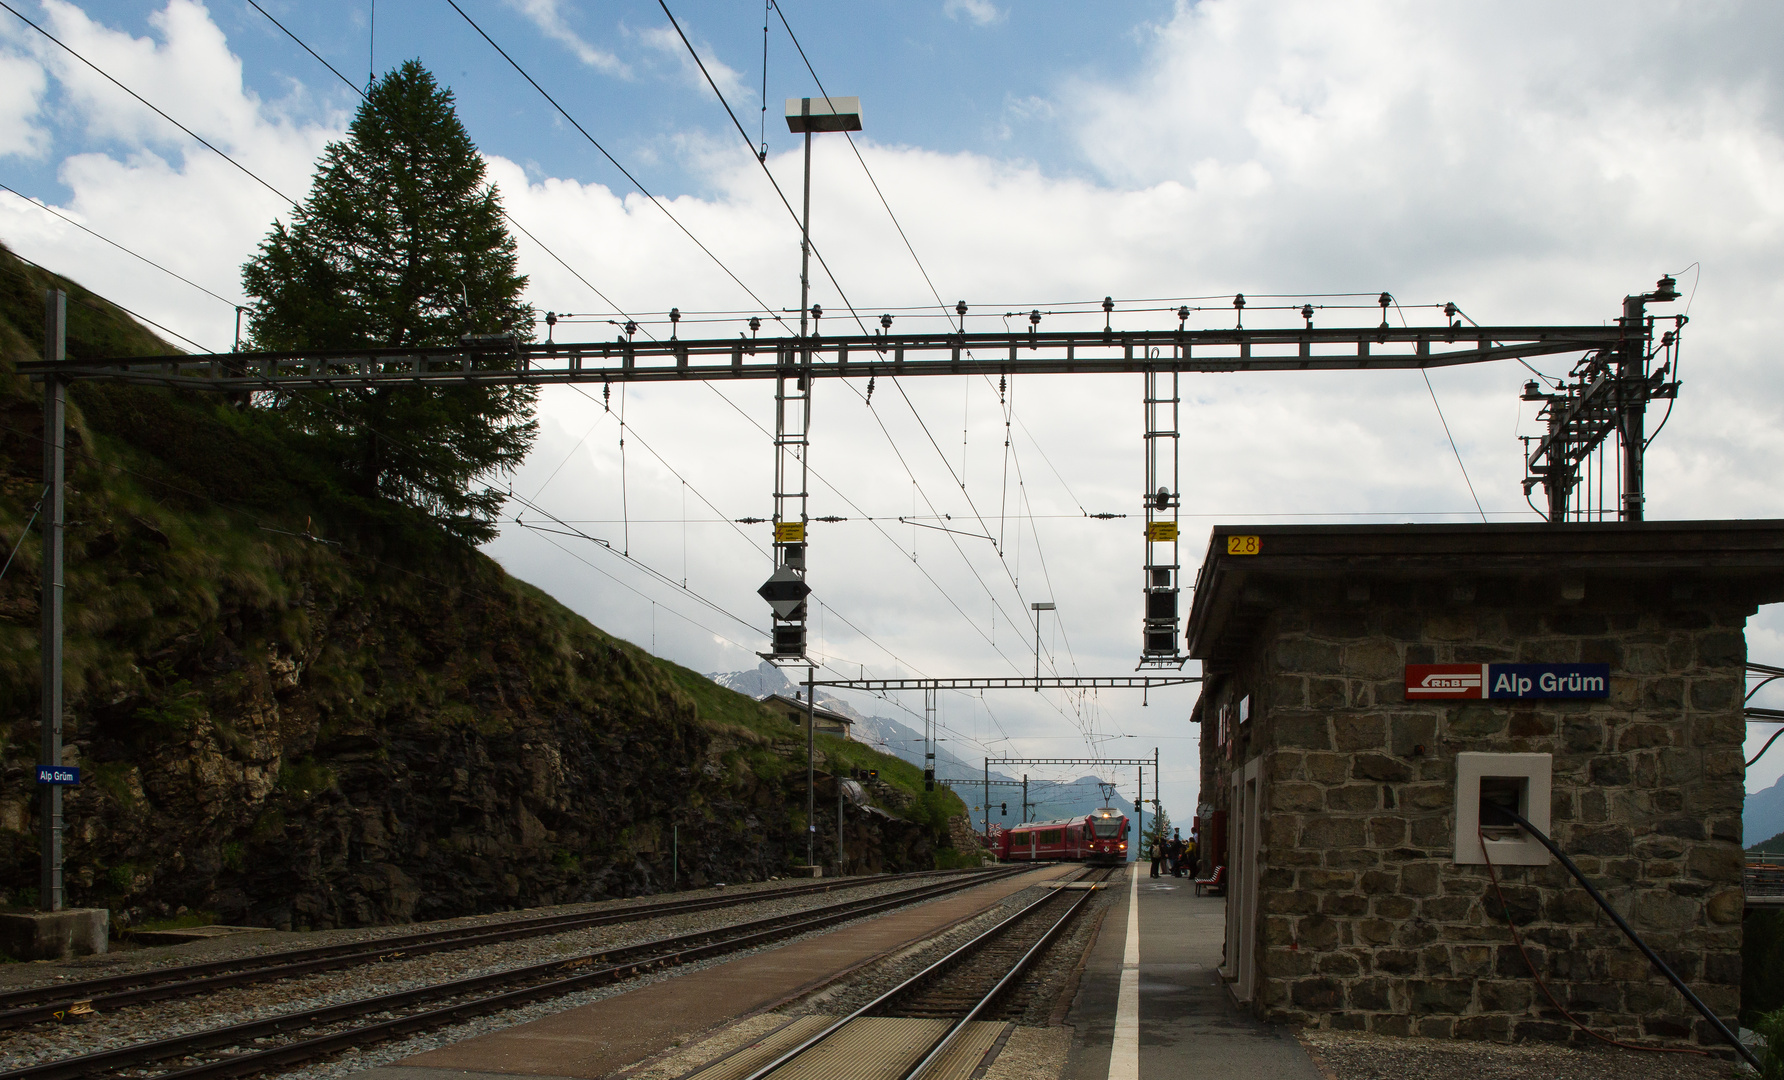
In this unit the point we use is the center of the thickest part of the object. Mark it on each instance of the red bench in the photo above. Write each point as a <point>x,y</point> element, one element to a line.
<point>1215,883</point>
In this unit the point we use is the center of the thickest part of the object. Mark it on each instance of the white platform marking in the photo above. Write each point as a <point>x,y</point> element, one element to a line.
<point>1124,1052</point>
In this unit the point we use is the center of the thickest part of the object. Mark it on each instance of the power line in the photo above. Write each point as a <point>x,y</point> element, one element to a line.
<point>245,170</point>
<point>761,161</point>
<point>120,307</point>
<point>135,255</point>
<point>614,161</point>
<point>510,218</point>
<point>940,303</point>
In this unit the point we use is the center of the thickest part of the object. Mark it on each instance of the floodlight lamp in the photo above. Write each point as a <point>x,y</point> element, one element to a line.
<point>808,115</point>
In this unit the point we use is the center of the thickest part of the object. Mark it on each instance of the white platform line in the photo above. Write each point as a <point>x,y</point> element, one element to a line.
<point>1124,1051</point>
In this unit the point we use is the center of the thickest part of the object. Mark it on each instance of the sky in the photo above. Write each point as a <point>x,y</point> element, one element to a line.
<point>1530,162</point>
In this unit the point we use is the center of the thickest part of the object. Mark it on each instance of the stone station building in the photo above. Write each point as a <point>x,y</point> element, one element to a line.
<point>1355,899</point>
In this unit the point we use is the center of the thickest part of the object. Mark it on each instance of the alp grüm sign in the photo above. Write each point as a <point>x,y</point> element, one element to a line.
<point>1472,682</point>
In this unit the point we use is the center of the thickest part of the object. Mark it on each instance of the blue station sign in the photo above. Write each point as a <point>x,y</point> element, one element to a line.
<point>58,774</point>
<point>1472,682</point>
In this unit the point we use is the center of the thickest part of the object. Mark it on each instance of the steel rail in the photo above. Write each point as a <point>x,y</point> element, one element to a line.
<point>615,965</point>
<point>1016,971</point>
<point>41,1003</point>
<point>933,970</point>
<point>1343,349</point>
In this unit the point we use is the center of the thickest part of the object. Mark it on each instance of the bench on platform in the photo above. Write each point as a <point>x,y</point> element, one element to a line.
<point>1215,882</point>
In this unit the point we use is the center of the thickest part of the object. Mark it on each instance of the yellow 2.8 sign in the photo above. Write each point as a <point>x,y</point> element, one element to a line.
<point>1242,545</point>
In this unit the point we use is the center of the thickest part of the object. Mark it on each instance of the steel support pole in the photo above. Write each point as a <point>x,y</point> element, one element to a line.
<point>811,753</point>
<point>988,802</point>
<point>1140,812</point>
<point>1632,402</point>
<point>805,244</point>
<point>841,865</point>
<point>1024,798</point>
<point>55,415</point>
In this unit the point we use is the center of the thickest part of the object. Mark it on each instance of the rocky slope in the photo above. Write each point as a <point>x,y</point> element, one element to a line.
<point>297,709</point>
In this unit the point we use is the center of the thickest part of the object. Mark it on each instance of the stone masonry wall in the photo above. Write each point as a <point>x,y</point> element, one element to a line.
<point>1365,923</point>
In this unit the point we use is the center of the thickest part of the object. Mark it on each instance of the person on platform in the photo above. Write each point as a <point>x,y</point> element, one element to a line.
<point>1177,853</point>
<point>1189,856</point>
<point>1158,853</point>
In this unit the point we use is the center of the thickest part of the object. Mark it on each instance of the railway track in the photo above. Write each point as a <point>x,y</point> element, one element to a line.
<point>929,1022</point>
<point>44,1003</point>
<point>294,1038</point>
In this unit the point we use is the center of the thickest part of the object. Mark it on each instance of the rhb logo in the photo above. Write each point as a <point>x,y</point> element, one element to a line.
<point>1464,682</point>
<point>1445,682</point>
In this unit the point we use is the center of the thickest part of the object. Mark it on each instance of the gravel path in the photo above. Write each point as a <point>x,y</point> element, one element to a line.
<point>166,1018</point>
<point>1376,1057</point>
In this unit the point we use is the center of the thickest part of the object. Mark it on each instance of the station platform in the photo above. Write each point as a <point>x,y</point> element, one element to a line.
<point>598,1040</point>
<point>1150,1004</point>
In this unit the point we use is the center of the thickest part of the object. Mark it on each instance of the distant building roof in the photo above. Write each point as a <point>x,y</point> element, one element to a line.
<point>1234,589</point>
<point>798,704</point>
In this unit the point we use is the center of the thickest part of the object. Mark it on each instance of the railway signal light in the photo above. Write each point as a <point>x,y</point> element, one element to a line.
<point>1003,809</point>
<point>785,590</point>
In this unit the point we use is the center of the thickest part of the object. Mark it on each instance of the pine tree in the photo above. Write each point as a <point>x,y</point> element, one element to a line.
<point>401,243</point>
<point>1158,830</point>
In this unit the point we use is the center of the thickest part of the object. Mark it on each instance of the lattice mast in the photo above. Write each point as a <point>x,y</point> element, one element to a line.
<point>1162,496</point>
<point>1607,393</point>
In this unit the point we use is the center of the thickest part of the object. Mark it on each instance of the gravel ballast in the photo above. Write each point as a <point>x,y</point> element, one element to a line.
<point>1345,1056</point>
<point>162,1019</point>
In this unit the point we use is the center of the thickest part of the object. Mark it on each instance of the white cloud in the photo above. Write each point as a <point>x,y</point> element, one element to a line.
<point>548,16</point>
<point>21,93</point>
<point>979,12</point>
<point>1529,176</point>
<point>730,81</point>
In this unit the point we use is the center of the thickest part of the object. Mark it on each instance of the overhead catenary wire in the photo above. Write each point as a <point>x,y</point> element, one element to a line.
<point>510,217</point>
<point>26,531</point>
<point>658,203</point>
<point>108,78</point>
<point>940,303</point>
<point>133,254</point>
<point>135,315</point>
<point>270,187</point>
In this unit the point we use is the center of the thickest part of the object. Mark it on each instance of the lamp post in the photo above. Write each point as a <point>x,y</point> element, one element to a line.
<point>805,116</point>
<point>1039,606</point>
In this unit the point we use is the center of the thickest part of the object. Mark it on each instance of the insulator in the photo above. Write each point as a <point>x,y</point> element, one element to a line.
<point>607,396</point>
<point>869,400</point>
<point>755,324</point>
<point>885,322</point>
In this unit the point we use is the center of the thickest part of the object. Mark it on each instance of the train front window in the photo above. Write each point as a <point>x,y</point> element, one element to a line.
<point>1106,828</point>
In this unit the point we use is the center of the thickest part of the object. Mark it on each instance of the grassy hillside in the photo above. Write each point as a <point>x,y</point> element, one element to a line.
<point>300,708</point>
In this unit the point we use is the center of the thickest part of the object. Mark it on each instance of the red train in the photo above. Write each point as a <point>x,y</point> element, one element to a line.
<point>1100,837</point>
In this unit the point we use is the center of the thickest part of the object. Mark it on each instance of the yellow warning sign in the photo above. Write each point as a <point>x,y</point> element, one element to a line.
<point>789,532</point>
<point>1161,532</point>
<point>1243,545</point>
